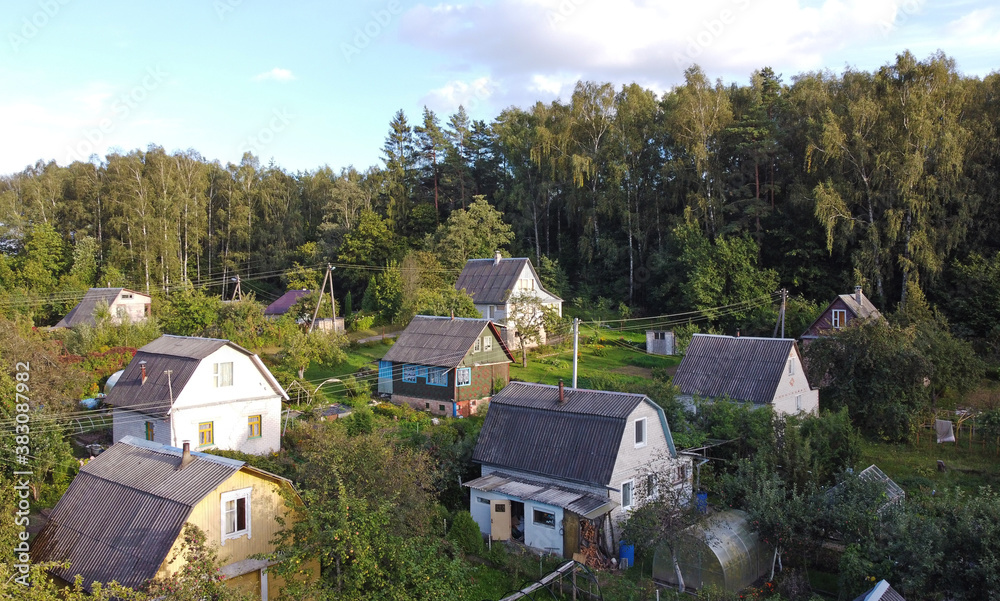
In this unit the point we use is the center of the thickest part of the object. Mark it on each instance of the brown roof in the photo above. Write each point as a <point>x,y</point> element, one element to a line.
<point>83,312</point>
<point>741,368</point>
<point>528,430</point>
<point>123,512</point>
<point>489,281</point>
<point>440,341</point>
<point>178,354</point>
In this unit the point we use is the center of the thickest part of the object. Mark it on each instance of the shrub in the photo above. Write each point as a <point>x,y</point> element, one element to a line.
<point>464,532</point>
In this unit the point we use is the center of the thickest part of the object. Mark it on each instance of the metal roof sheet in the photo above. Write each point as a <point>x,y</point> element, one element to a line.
<point>122,513</point>
<point>285,302</point>
<point>527,429</point>
<point>580,502</point>
<point>742,368</point>
<point>440,341</point>
<point>880,592</point>
<point>489,281</point>
<point>83,312</point>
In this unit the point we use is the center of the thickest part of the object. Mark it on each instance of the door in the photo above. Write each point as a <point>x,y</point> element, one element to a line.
<point>499,520</point>
<point>385,377</point>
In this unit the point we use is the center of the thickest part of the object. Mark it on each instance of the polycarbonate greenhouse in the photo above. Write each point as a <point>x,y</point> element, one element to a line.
<point>723,552</point>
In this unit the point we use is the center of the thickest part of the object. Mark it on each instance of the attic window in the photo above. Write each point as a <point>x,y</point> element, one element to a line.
<point>236,514</point>
<point>478,346</point>
<point>126,296</point>
<point>640,432</point>
<point>791,367</point>
<point>487,343</point>
<point>223,374</point>
<point>839,318</point>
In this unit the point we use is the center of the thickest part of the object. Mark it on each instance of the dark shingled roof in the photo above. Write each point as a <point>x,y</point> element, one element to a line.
<point>123,512</point>
<point>742,368</point>
<point>880,592</point>
<point>490,282</point>
<point>83,312</point>
<point>181,356</point>
<point>864,309</point>
<point>285,302</point>
<point>440,341</point>
<point>526,429</point>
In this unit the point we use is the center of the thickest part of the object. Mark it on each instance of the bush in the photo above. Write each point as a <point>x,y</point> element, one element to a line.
<point>465,534</point>
<point>359,322</point>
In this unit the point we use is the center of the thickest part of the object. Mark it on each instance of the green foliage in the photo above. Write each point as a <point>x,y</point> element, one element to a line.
<point>384,295</point>
<point>187,311</point>
<point>300,349</point>
<point>464,533</point>
<point>359,322</point>
<point>361,421</point>
<point>473,233</point>
<point>444,302</point>
<point>552,276</point>
<point>198,577</point>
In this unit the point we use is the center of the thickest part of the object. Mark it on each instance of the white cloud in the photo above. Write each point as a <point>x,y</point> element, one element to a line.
<point>275,74</point>
<point>468,93</point>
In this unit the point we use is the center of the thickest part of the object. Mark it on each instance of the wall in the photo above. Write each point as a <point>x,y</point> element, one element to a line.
<point>792,384</point>
<point>825,321</point>
<point>664,346</point>
<point>136,308</point>
<point>133,423</point>
<point>535,535</point>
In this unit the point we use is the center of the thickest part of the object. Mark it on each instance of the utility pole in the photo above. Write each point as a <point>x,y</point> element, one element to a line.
<point>784,298</point>
<point>237,292</point>
<point>576,346</point>
<point>327,277</point>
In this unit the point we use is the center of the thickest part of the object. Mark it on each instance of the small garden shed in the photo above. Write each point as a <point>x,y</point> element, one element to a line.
<point>723,552</point>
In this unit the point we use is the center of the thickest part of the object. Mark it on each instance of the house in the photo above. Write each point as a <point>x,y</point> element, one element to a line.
<point>557,461</point>
<point>123,515</point>
<point>880,592</point>
<point>207,390</point>
<point>841,312</point>
<point>284,303</point>
<point>492,282</point>
<point>660,342</point>
<point>448,366</point>
<point>122,303</point>
<point>762,371</point>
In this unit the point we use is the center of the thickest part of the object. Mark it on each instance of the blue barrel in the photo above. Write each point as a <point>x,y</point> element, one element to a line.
<point>626,555</point>
<point>701,501</point>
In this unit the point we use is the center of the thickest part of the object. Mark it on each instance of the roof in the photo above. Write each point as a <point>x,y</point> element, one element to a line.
<point>180,355</point>
<point>582,503</point>
<point>743,368</point>
<point>122,513</point>
<point>489,281</point>
<point>880,592</point>
<point>527,429</point>
<point>440,341</point>
<point>83,312</point>
<point>285,302</point>
<point>863,310</point>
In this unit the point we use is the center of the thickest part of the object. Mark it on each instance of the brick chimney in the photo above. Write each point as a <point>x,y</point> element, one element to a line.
<point>562,394</point>
<point>496,258</point>
<point>857,294</point>
<point>186,457</point>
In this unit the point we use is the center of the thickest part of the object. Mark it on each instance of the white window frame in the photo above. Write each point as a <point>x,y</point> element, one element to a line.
<point>410,373</point>
<point>838,318</point>
<point>630,486</point>
<point>640,422</point>
<point>798,402</point>
<point>791,366</point>
<point>463,377</point>
<point>234,495</point>
<point>542,524</point>
<point>478,346</point>
<point>219,374</point>
<point>487,343</point>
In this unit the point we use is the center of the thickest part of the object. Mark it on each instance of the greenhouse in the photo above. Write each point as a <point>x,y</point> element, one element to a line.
<point>723,552</point>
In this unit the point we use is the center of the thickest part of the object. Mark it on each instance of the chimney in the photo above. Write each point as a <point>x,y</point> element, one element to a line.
<point>185,456</point>
<point>496,258</point>
<point>857,294</point>
<point>562,394</point>
<point>142,367</point>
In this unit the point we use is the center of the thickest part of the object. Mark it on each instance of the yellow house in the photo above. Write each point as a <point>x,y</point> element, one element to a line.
<point>122,517</point>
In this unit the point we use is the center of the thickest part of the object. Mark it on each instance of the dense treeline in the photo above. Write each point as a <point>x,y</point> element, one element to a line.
<point>684,200</point>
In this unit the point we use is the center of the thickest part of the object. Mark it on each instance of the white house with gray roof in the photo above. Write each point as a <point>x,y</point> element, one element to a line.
<point>211,392</point>
<point>552,457</point>
<point>122,304</point>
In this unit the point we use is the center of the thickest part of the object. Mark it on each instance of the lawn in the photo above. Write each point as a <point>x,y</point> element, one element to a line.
<point>914,466</point>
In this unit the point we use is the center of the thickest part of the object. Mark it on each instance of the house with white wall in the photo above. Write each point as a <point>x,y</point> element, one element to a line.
<point>122,304</point>
<point>211,392</point>
<point>554,458</point>
<point>762,371</point>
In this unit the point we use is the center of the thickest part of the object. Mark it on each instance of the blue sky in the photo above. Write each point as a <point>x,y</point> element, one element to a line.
<point>309,84</point>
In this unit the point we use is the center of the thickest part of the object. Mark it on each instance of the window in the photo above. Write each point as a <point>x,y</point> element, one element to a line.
<point>145,310</point>
<point>640,432</point>
<point>483,500</point>
<point>682,473</point>
<point>223,373</point>
<point>492,311</point>
<point>206,435</point>
<point>487,343</point>
<point>254,424</point>
<point>149,430</point>
<point>236,514</point>
<point>659,335</point>
<point>427,405</point>
<point>544,518</point>
<point>126,296</point>
<point>463,376</point>
<point>437,376</point>
<point>627,494</point>
<point>791,367</point>
<point>798,402</point>
<point>478,346</point>
<point>650,486</point>
<point>839,318</point>
<point>410,373</point>
<point>441,408</point>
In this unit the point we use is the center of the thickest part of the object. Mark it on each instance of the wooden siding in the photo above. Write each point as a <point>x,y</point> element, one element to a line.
<point>482,381</point>
<point>825,321</point>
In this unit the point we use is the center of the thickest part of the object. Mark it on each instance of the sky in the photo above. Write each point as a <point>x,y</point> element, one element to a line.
<point>309,83</point>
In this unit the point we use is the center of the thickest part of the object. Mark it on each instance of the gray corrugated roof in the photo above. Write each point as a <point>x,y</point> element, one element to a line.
<point>124,510</point>
<point>440,341</point>
<point>490,282</point>
<point>880,592</point>
<point>578,501</point>
<point>742,368</point>
<point>526,429</point>
<point>83,312</point>
<point>178,354</point>
<point>864,309</point>
<point>285,302</point>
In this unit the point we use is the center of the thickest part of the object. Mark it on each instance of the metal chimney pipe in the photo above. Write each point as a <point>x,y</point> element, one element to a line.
<point>142,368</point>
<point>497,257</point>
<point>562,394</point>
<point>185,456</point>
<point>857,294</point>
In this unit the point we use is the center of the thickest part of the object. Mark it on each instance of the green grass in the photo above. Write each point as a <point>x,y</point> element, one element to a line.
<point>914,466</point>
